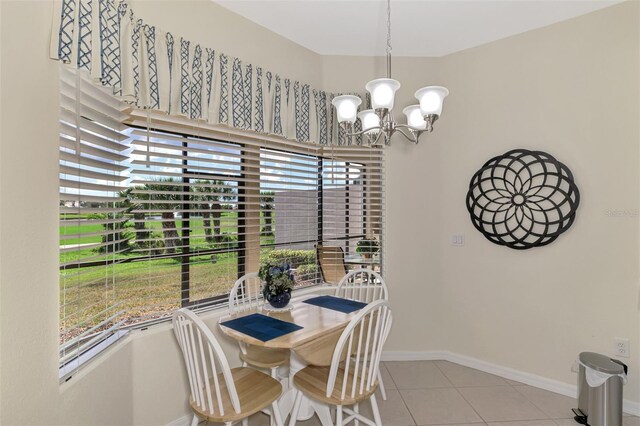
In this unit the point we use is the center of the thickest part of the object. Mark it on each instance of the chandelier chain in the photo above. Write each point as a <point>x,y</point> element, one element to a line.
<point>388,38</point>
<point>388,27</point>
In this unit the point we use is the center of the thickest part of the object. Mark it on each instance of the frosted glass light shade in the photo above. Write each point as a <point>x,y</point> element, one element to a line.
<point>383,92</point>
<point>415,119</point>
<point>369,120</point>
<point>346,107</point>
<point>431,99</point>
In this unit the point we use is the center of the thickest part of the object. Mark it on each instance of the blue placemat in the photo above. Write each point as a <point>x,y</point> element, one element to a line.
<point>336,303</point>
<point>261,327</point>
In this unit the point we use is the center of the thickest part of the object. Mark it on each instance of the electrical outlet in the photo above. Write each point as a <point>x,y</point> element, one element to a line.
<point>621,347</point>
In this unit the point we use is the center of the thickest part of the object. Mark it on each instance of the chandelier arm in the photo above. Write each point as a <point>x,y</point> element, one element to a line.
<point>413,136</point>
<point>362,132</point>
<point>412,129</point>
<point>378,135</point>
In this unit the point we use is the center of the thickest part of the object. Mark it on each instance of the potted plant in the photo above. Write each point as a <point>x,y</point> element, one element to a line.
<point>278,283</point>
<point>367,247</point>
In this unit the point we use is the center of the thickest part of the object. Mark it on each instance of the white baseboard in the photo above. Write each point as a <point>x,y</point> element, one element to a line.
<point>566,389</point>
<point>182,421</point>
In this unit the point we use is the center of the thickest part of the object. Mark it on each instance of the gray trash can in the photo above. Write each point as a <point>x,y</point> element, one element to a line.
<point>600,381</point>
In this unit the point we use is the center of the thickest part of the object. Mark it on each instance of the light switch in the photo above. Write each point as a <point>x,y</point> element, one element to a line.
<point>457,240</point>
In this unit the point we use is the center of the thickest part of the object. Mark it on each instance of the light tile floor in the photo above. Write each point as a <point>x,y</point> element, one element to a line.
<point>424,393</point>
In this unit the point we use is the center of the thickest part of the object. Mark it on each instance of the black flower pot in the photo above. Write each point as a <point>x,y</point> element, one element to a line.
<point>279,301</point>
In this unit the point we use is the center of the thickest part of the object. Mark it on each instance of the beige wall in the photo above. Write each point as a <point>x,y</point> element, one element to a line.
<point>29,384</point>
<point>413,185</point>
<point>571,89</point>
<point>532,311</point>
<point>216,27</point>
<point>139,381</point>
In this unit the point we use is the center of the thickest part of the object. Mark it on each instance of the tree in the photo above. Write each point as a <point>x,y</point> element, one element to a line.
<point>266,205</point>
<point>117,240</point>
<point>209,194</point>
<point>160,197</point>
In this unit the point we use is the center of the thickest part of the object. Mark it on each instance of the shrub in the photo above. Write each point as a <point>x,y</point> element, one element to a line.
<point>367,246</point>
<point>154,244</point>
<point>306,270</point>
<point>294,258</point>
<point>225,241</point>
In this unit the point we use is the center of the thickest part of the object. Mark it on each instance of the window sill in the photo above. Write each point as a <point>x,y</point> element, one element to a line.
<point>78,366</point>
<point>75,366</point>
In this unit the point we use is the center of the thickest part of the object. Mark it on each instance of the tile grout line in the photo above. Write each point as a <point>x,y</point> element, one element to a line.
<point>384,364</point>
<point>515,387</point>
<point>415,422</point>
<point>460,393</point>
<point>399,393</point>
<point>443,373</point>
<point>507,384</point>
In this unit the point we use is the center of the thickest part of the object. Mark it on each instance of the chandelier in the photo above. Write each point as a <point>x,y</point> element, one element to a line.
<point>378,123</point>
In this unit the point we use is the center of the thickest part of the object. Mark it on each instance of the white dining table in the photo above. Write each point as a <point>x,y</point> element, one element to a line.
<point>311,345</point>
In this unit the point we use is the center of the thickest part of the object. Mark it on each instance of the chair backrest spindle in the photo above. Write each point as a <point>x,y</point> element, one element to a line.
<point>246,293</point>
<point>363,285</point>
<point>363,340</point>
<point>201,352</point>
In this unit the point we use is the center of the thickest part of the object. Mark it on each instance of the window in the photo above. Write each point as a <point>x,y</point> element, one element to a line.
<point>344,210</point>
<point>187,248</point>
<point>157,215</point>
<point>290,186</point>
<point>93,174</point>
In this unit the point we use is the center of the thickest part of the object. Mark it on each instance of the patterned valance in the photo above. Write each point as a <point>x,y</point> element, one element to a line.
<point>152,68</point>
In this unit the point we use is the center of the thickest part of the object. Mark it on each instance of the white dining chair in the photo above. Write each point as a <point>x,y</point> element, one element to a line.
<point>245,295</point>
<point>364,285</point>
<point>352,376</point>
<point>218,393</point>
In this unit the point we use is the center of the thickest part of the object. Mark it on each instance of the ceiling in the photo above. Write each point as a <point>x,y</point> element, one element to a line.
<point>420,27</point>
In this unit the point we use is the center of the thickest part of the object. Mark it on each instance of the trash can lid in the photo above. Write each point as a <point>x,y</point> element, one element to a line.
<point>601,363</point>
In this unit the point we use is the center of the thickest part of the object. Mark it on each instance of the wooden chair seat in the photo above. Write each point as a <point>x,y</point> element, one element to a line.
<point>312,381</point>
<point>261,357</point>
<point>256,390</point>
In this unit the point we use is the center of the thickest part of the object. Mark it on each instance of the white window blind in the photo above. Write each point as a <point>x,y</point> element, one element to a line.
<point>93,173</point>
<point>291,182</point>
<point>166,212</point>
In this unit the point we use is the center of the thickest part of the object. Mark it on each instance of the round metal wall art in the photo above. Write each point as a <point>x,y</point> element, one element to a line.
<point>523,199</point>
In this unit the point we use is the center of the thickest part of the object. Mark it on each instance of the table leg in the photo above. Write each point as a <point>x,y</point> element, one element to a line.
<point>307,407</point>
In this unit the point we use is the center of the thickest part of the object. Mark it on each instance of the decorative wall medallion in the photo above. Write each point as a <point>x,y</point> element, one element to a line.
<point>523,199</point>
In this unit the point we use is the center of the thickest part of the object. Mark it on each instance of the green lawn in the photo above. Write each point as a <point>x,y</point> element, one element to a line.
<point>228,225</point>
<point>146,289</point>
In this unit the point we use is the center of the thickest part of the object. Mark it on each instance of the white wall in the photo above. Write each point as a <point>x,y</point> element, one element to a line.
<point>528,310</point>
